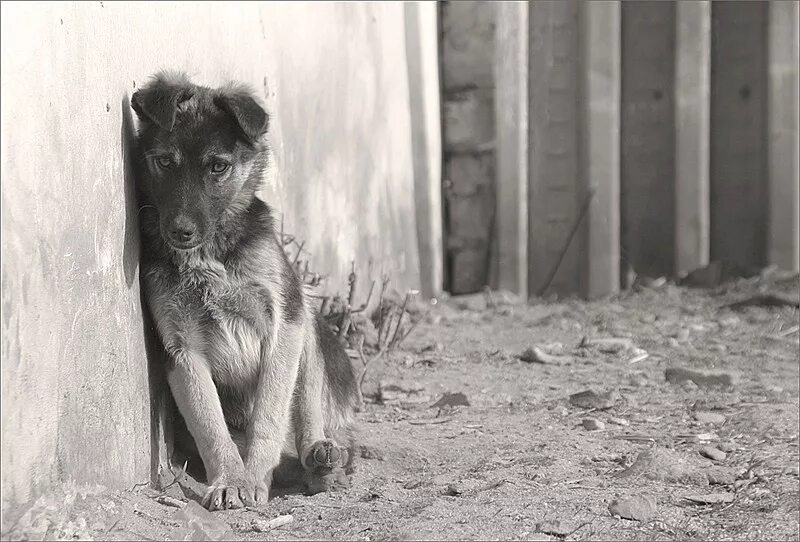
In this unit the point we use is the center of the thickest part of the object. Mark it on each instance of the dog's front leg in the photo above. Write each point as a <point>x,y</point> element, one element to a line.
<point>269,422</point>
<point>198,401</point>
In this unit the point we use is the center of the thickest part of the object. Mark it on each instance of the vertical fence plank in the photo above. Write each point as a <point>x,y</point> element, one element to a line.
<point>692,91</point>
<point>554,263</point>
<point>600,156</point>
<point>422,51</point>
<point>783,141</point>
<point>511,118</point>
<point>647,163</point>
<point>738,184</point>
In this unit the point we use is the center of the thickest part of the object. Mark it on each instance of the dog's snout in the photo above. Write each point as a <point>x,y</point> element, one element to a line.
<point>182,230</point>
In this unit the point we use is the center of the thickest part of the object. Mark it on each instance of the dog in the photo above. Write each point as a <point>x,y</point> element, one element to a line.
<point>253,368</point>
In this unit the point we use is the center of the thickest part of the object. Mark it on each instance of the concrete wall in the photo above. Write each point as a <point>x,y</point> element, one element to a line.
<point>75,392</point>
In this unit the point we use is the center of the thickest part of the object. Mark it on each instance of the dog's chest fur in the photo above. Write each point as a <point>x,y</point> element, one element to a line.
<point>214,310</point>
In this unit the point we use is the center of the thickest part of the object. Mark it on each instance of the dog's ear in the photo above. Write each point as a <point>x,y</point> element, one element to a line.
<point>157,102</point>
<point>246,111</point>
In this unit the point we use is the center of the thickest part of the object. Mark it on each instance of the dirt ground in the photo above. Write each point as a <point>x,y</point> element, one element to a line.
<point>520,461</point>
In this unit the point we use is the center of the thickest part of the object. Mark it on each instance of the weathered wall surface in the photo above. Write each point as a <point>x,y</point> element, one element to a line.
<point>75,393</point>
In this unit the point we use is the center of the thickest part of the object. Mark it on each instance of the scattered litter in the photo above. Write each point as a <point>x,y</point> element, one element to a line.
<point>537,355</point>
<point>592,399</point>
<point>711,498</point>
<point>639,355</point>
<point>608,345</point>
<point>262,525</point>
<point>713,453</point>
<point>197,523</point>
<point>593,424</point>
<point>454,490</point>
<point>166,500</point>
<point>677,375</point>
<point>709,417</point>
<point>640,508</point>
<point>773,299</point>
<point>430,421</point>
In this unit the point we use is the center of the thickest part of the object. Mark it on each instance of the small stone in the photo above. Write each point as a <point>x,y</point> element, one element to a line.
<point>713,453</point>
<point>262,525</point>
<point>721,476</point>
<point>640,508</point>
<point>592,399</point>
<point>677,375</point>
<point>593,424</point>
<point>619,421</point>
<point>454,490</point>
<point>709,417</point>
<point>200,524</point>
<point>371,452</point>
<point>726,447</point>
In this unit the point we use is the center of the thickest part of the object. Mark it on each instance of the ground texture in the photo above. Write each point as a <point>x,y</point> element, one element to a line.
<point>462,439</point>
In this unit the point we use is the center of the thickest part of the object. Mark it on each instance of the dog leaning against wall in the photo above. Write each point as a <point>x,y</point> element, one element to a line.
<point>255,372</point>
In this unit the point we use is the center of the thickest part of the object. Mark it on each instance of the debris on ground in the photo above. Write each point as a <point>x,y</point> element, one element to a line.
<point>263,525</point>
<point>197,523</point>
<point>535,354</point>
<point>593,424</point>
<point>640,508</point>
<point>713,453</point>
<point>166,500</point>
<point>591,399</point>
<point>677,375</point>
<point>709,417</point>
<point>772,299</point>
<point>711,498</point>
<point>608,345</point>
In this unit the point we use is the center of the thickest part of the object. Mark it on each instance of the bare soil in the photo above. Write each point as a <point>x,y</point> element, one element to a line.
<point>518,462</point>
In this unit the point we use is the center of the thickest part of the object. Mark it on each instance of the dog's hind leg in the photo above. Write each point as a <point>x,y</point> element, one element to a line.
<point>322,458</point>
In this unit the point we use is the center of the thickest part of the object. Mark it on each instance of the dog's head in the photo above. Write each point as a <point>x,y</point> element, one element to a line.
<point>202,154</point>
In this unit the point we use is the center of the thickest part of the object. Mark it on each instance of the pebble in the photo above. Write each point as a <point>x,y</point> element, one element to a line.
<point>678,375</point>
<point>593,424</point>
<point>592,399</point>
<point>640,508</point>
<point>619,421</point>
<point>713,453</point>
<point>709,417</point>
<point>263,525</point>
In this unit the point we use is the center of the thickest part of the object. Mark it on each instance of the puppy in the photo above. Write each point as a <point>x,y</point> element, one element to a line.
<point>251,361</point>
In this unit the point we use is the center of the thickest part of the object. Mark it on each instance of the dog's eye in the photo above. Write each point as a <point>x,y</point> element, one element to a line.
<point>219,167</point>
<point>164,162</point>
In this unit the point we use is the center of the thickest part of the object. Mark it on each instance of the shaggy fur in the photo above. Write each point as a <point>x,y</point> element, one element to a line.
<point>251,362</point>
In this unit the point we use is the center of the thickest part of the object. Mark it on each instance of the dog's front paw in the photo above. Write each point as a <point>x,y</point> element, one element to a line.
<point>228,493</point>
<point>323,456</point>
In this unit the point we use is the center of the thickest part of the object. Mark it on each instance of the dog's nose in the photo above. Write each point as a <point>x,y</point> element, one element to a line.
<point>182,230</point>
